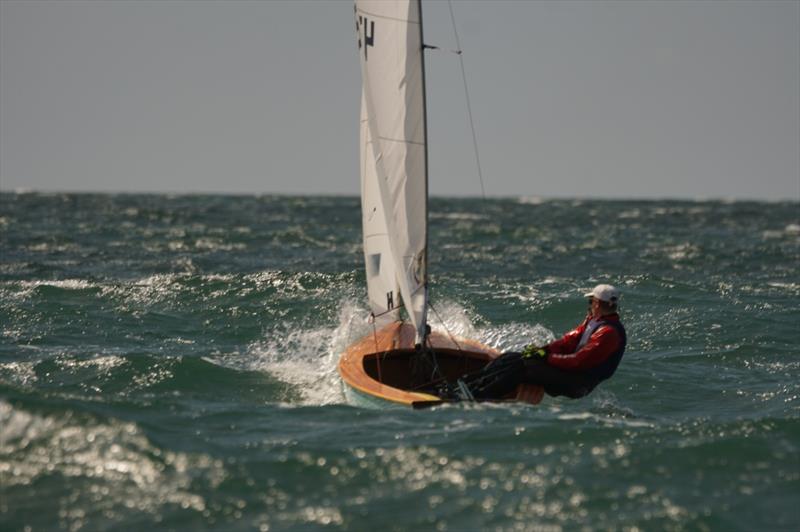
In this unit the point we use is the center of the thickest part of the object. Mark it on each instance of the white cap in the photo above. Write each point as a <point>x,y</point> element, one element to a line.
<point>604,292</point>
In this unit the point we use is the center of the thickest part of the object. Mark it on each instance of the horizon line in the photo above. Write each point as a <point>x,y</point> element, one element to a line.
<point>526,198</point>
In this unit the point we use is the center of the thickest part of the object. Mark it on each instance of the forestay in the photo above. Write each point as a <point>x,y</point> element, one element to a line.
<point>393,157</point>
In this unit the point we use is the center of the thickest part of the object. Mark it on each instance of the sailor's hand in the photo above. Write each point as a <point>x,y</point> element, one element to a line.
<point>533,351</point>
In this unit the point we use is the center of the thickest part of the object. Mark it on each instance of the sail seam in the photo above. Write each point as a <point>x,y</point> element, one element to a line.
<point>401,141</point>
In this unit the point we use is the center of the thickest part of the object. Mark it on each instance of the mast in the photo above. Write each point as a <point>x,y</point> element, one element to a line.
<point>424,333</point>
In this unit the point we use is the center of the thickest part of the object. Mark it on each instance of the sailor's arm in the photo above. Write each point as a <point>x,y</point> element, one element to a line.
<point>603,343</point>
<point>569,342</point>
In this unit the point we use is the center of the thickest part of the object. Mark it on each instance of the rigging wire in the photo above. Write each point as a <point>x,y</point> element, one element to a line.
<point>459,52</point>
<point>447,330</point>
<point>466,94</point>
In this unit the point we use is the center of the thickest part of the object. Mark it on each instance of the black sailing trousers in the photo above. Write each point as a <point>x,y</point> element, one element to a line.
<point>502,376</point>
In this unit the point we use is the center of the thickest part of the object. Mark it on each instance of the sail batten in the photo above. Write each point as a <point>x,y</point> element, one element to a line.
<point>394,157</point>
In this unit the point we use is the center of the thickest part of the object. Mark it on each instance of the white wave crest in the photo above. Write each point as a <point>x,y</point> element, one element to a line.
<point>452,318</point>
<point>305,359</point>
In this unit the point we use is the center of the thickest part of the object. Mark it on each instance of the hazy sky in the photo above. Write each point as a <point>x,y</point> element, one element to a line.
<point>587,99</point>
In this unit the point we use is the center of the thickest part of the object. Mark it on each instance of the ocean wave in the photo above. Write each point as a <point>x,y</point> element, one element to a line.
<point>19,373</point>
<point>113,468</point>
<point>459,216</point>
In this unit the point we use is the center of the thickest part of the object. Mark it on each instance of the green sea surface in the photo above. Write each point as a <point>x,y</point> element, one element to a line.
<point>169,363</point>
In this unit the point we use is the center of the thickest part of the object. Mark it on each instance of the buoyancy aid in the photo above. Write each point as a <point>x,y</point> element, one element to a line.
<point>607,368</point>
<point>592,324</point>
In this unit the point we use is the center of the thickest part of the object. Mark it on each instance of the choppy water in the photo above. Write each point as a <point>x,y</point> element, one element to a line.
<point>169,362</point>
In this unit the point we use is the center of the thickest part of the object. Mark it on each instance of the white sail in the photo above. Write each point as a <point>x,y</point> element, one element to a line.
<point>382,286</point>
<point>394,157</point>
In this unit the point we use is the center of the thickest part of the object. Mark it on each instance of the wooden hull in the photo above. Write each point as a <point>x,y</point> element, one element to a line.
<point>383,368</point>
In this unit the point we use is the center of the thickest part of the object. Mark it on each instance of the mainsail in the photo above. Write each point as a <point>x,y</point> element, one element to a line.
<point>394,179</point>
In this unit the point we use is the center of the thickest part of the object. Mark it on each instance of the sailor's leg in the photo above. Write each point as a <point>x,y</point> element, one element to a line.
<point>557,381</point>
<point>499,378</point>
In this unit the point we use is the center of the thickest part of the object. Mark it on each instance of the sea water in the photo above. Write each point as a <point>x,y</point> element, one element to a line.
<point>169,362</point>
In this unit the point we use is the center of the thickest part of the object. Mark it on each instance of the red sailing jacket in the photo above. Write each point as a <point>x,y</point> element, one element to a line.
<point>601,353</point>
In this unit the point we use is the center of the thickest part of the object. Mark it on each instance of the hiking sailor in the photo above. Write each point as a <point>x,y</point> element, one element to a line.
<point>571,366</point>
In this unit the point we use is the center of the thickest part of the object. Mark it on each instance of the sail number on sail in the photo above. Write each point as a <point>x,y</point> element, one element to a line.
<point>368,27</point>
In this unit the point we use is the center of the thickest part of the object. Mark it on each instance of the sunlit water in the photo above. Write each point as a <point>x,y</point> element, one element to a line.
<point>169,362</point>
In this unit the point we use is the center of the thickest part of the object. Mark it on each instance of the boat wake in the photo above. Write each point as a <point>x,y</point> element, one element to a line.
<point>304,358</point>
<point>451,318</point>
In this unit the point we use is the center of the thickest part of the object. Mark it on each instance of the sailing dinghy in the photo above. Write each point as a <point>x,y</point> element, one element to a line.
<point>401,361</point>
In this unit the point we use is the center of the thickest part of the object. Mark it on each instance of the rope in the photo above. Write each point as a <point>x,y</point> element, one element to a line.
<point>377,356</point>
<point>434,358</point>
<point>466,94</point>
<point>452,338</point>
<point>385,312</point>
<point>476,379</point>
